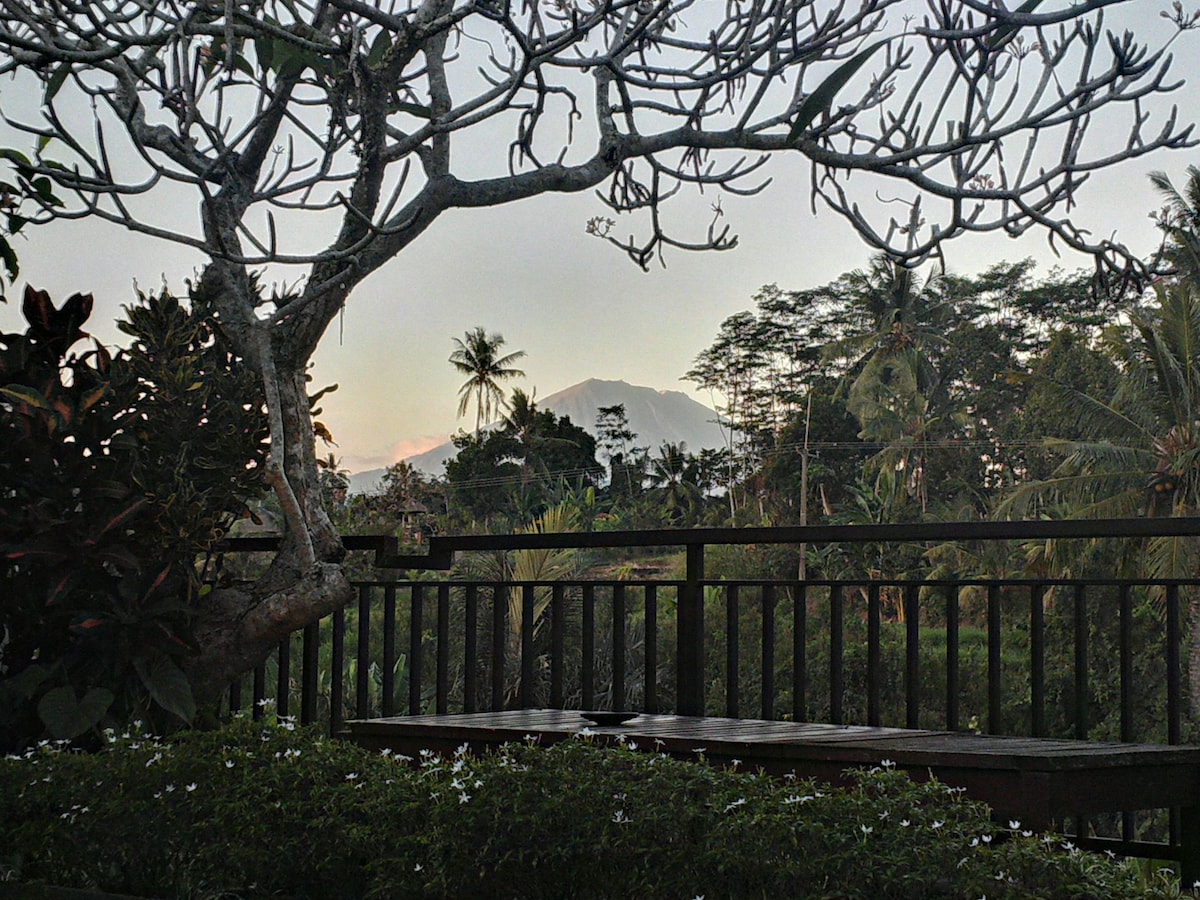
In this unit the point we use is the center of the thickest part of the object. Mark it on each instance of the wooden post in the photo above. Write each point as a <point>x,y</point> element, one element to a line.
<point>1189,849</point>
<point>690,677</point>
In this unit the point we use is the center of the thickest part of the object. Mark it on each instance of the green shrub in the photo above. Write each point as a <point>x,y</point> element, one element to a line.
<point>264,809</point>
<point>116,472</point>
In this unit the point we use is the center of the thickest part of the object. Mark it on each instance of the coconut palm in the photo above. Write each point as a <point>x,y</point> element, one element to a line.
<point>672,477</point>
<point>902,325</point>
<point>1138,452</point>
<point>1180,222</point>
<point>477,355</point>
<point>893,385</point>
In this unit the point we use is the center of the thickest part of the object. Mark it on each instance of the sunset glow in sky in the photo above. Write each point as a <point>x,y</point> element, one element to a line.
<point>576,306</point>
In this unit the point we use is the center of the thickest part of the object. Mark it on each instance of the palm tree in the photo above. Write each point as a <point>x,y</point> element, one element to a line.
<point>892,382</point>
<point>902,324</point>
<point>477,356</point>
<point>1180,222</point>
<point>673,479</point>
<point>1138,452</point>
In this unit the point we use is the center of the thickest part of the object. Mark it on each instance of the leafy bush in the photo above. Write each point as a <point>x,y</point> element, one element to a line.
<point>261,809</point>
<point>115,472</point>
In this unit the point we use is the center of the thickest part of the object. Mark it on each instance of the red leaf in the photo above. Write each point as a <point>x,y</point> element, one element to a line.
<point>38,309</point>
<point>60,590</point>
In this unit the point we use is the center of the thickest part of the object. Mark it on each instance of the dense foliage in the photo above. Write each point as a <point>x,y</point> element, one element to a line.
<point>321,818</point>
<point>116,471</point>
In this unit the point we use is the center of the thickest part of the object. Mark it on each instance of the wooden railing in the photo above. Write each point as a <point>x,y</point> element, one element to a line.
<point>856,650</point>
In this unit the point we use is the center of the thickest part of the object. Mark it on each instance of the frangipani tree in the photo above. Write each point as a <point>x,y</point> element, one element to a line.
<point>323,138</point>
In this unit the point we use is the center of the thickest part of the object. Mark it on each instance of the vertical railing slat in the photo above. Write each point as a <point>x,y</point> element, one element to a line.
<point>618,645</point>
<point>1080,622</point>
<point>470,648</point>
<point>1037,659</point>
<point>732,661</point>
<point>528,600</point>
<point>337,671</point>
<point>388,687</point>
<point>499,643</point>
<point>995,650</point>
<point>588,675</point>
<point>800,653</point>
<point>235,695</point>
<point>1125,653</point>
<point>1174,670</point>
<point>912,656</point>
<point>363,686</point>
<point>309,662</point>
<point>416,635</point>
<point>768,651</point>
<point>283,685</point>
<point>650,664</point>
<point>443,650</point>
<point>873,653</point>
<point>259,690</point>
<point>952,658</point>
<point>689,674</point>
<point>558,612</point>
<point>836,648</point>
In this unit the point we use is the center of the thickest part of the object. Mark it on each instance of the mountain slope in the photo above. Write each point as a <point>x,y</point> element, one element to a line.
<point>654,416</point>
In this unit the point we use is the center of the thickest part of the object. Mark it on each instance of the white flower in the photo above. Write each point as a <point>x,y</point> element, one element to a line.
<point>904,823</point>
<point>170,788</point>
<point>464,798</point>
<point>352,776</point>
<point>1014,824</point>
<point>741,801</point>
<point>191,787</point>
<point>938,823</point>
<point>229,763</point>
<point>865,829</point>
<point>887,763</point>
<point>418,867</point>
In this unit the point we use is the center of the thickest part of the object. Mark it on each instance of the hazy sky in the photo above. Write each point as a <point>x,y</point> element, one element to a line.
<point>574,304</point>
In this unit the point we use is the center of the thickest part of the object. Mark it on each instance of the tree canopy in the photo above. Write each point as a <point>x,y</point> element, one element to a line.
<point>323,138</point>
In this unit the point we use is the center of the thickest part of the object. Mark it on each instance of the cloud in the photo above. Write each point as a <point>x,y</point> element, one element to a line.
<point>399,450</point>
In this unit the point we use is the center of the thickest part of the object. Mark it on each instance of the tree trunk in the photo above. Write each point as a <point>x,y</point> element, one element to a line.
<point>237,628</point>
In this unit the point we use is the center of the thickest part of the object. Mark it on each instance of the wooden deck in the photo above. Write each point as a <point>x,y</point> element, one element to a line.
<point>1033,780</point>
